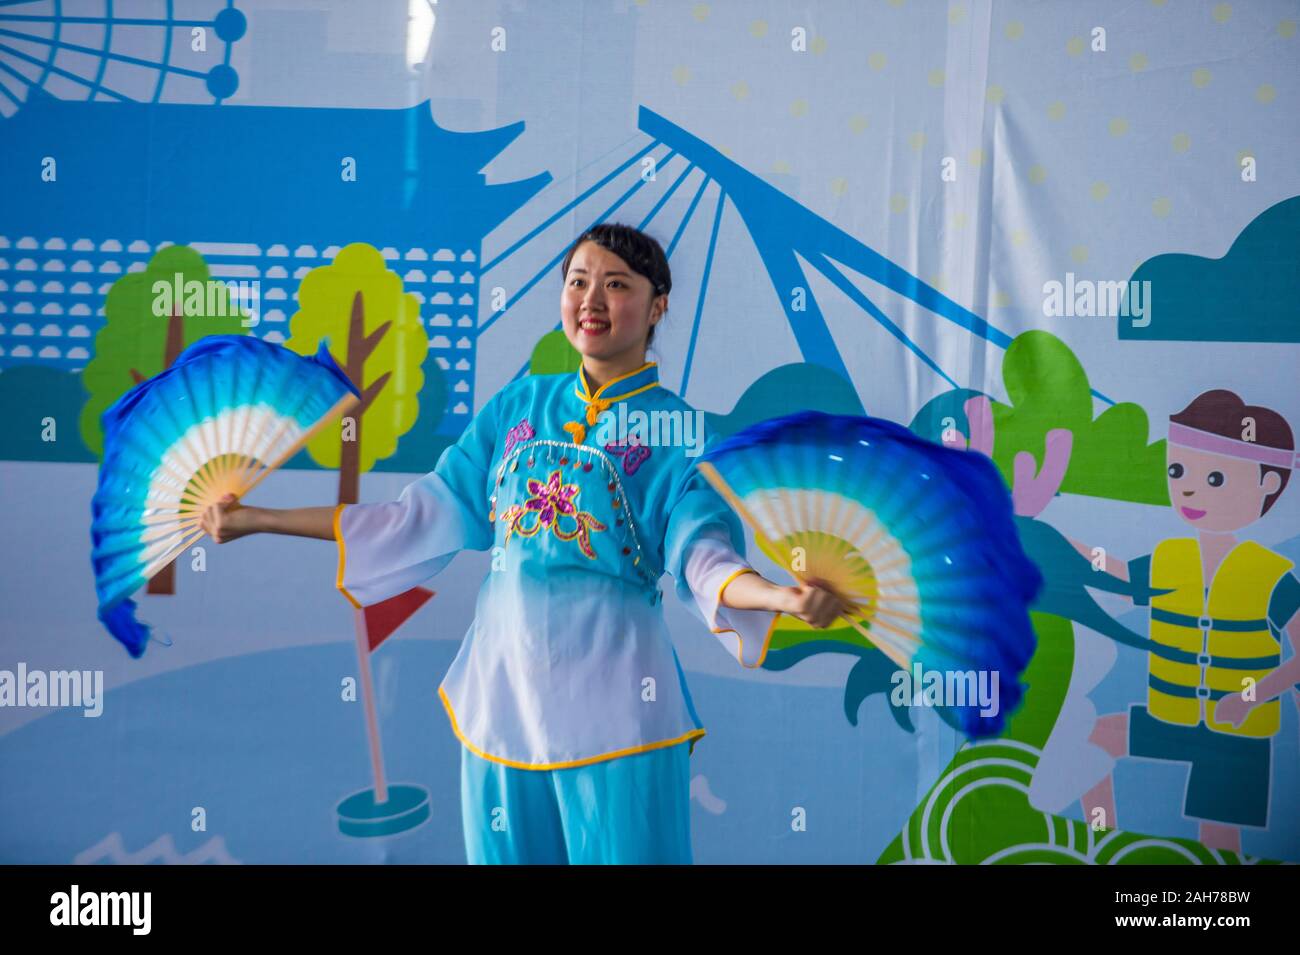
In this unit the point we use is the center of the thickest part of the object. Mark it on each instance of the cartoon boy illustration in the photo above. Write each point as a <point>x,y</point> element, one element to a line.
<point>1214,670</point>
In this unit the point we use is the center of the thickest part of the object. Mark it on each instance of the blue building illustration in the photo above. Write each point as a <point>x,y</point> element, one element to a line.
<point>261,193</point>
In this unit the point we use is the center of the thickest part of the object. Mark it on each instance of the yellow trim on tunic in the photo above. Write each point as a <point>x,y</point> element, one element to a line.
<point>693,735</point>
<point>597,403</point>
<point>338,536</point>
<point>767,640</point>
<point>730,578</point>
<point>585,394</point>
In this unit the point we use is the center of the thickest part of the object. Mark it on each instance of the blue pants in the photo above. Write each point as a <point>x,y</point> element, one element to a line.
<point>1229,777</point>
<point>628,810</point>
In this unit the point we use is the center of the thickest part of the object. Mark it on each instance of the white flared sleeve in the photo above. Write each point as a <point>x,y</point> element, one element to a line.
<point>711,565</point>
<point>386,549</point>
<point>704,550</point>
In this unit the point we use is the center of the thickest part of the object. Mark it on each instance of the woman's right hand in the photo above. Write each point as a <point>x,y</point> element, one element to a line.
<point>227,520</point>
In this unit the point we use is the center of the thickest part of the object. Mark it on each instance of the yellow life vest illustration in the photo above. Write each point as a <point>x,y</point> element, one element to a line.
<point>1210,642</point>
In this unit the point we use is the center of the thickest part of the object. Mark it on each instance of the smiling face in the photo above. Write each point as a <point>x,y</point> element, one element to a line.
<point>607,309</point>
<point>1215,493</point>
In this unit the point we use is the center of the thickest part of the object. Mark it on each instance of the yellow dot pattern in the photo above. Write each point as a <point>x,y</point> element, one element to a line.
<point>995,94</point>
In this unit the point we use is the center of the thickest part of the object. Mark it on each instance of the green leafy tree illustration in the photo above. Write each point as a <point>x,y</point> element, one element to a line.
<point>137,343</point>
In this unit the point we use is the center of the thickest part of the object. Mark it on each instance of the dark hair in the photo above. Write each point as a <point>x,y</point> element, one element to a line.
<point>1223,413</point>
<point>641,252</point>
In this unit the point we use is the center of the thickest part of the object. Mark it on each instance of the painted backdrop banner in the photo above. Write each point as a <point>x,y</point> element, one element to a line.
<point>1060,235</point>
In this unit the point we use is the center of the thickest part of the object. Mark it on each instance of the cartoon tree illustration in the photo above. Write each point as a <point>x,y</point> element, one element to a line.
<point>136,342</point>
<point>374,332</point>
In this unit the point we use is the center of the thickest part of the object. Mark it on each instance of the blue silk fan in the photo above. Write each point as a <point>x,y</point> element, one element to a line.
<point>918,537</point>
<point>229,411</point>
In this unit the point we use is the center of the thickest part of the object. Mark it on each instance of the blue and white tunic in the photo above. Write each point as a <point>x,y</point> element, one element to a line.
<point>568,660</point>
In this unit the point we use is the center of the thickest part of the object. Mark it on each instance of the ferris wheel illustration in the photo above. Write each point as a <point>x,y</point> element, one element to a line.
<point>113,51</point>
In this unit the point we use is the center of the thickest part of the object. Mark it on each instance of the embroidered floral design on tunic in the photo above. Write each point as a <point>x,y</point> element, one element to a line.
<point>520,432</point>
<point>632,452</point>
<point>551,502</point>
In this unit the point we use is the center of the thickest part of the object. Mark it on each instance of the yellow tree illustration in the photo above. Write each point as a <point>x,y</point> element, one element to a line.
<point>374,332</point>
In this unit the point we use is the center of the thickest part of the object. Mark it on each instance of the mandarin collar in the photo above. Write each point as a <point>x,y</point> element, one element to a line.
<point>616,389</point>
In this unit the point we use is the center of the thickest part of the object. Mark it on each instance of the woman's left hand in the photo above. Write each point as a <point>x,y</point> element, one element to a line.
<point>814,603</point>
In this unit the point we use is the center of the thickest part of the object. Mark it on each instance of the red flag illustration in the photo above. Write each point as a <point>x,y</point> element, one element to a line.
<point>383,618</point>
